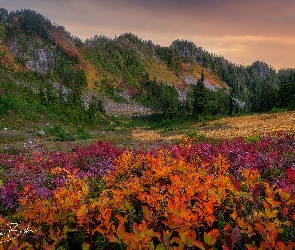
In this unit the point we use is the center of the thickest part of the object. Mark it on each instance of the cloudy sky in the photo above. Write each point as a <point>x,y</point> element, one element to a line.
<point>242,31</point>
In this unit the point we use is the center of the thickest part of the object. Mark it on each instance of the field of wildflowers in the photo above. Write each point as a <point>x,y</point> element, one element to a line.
<point>230,195</point>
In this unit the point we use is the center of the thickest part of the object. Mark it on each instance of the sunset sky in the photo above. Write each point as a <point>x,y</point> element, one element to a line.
<point>242,31</point>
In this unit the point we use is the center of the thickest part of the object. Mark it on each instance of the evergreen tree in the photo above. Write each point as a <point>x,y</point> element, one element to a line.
<point>287,92</point>
<point>264,98</point>
<point>199,96</point>
<point>231,102</point>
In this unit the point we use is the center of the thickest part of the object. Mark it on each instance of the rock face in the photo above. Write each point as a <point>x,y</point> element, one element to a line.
<point>42,62</point>
<point>125,109</point>
<point>263,70</point>
<point>193,81</point>
<point>35,58</point>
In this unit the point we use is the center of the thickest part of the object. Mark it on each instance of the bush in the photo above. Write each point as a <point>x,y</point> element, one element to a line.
<point>83,134</point>
<point>65,136</point>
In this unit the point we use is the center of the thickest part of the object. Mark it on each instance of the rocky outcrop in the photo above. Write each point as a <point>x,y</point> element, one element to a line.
<point>34,57</point>
<point>41,62</point>
<point>125,109</point>
<point>262,70</point>
<point>191,80</point>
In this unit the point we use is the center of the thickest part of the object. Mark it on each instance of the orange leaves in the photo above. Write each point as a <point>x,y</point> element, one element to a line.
<point>211,237</point>
<point>269,231</point>
<point>221,165</point>
<point>264,216</point>
<point>178,209</point>
<point>81,213</point>
<point>268,212</point>
<point>64,208</point>
<point>188,238</point>
<point>121,228</point>
<point>251,176</point>
<point>173,194</point>
<point>163,202</point>
<point>139,238</point>
<point>146,213</point>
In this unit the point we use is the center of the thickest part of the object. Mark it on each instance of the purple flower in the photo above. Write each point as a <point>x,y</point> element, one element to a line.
<point>9,194</point>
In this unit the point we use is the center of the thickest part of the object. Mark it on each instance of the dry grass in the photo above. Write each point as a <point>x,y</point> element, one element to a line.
<point>7,59</point>
<point>250,126</point>
<point>9,136</point>
<point>211,78</point>
<point>145,135</point>
<point>93,75</point>
<point>227,128</point>
<point>161,72</point>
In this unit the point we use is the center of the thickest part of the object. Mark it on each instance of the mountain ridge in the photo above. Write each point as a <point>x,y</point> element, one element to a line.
<point>117,67</point>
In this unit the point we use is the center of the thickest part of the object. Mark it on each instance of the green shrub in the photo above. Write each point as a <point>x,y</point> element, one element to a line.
<point>194,135</point>
<point>251,139</point>
<point>54,130</point>
<point>65,136</point>
<point>83,134</point>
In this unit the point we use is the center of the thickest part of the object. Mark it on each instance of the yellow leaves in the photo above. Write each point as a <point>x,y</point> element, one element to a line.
<point>242,223</point>
<point>188,237</point>
<point>81,213</point>
<point>178,209</point>
<point>211,237</point>
<point>142,231</point>
<point>273,202</point>
<point>85,246</point>
<point>251,176</point>
<point>146,213</point>
<point>284,195</point>
<point>268,212</point>
<point>121,228</point>
<point>161,71</point>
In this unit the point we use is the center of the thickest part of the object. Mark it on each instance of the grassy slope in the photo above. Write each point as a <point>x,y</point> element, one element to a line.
<point>250,126</point>
<point>161,72</point>
<point>124,132</point>
<point>92,73</point>
<point>7,59</point>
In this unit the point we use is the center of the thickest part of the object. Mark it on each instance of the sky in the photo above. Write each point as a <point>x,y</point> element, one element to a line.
<point>242,31</point>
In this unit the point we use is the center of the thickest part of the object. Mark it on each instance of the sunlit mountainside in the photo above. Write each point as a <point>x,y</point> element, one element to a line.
<point>31,44</point>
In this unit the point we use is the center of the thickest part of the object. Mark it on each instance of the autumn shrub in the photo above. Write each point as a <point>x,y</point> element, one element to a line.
<point>234,195</point>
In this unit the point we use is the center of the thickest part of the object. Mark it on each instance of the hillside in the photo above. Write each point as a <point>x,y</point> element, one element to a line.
<point>30,41</point>
<point>134,72</point>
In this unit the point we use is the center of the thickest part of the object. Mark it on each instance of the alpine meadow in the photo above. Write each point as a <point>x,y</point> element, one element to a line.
<point>121,143</point>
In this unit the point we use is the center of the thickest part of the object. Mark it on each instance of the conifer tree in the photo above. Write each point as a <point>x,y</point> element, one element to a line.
<point>199,96</point>
<point>231,102</point>
<point>287,92</point>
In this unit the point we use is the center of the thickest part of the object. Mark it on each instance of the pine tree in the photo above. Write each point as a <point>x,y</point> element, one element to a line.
<point>231,102</point>
<point>199,96</point>
<point>287,92</point>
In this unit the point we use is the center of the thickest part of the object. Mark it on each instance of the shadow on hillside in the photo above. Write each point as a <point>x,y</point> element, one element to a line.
<point>160,121</point>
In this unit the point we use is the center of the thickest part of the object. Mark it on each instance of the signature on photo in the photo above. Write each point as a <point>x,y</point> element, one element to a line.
<point>12,232</point>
